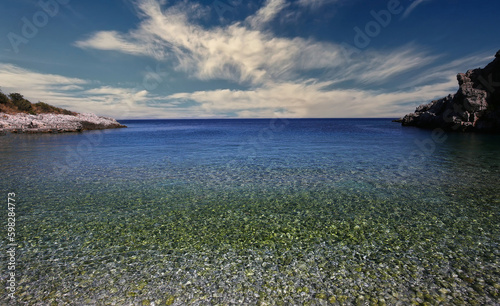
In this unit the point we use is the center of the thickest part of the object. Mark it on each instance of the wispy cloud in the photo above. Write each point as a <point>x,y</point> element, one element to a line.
<point>307,98</point>
<point>271,69</point>
<point>81,95</point>
<point>296,100</point>
<point>36,85</point>
<point>448,70</point>
<point>377,68</point>
<point>11,75</point>
<point>245,54</point>
<point>112,40</point>
<point>267,13</point>
<point>412,6</point>
<point>315,4</point>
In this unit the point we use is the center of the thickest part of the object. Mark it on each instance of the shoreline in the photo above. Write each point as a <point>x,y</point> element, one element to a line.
<point>54,123</point>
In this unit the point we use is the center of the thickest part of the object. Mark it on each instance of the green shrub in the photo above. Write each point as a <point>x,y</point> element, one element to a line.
<point>20,102</point>
<point>16,97</point>
<point>23,105</point>
<point>3,98</point>
<point>44,107</point>
<point>17,103</point>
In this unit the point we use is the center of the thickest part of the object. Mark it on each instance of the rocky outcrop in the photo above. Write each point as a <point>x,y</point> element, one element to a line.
<point>475,107</point>
<point>54,123</point>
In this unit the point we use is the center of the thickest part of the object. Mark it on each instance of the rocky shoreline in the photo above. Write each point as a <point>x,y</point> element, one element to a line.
<point>474,108</point>
<point>54,123</point>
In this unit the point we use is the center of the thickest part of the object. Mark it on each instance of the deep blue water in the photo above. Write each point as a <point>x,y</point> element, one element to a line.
<point>115,215</point>
<point>338,148</point>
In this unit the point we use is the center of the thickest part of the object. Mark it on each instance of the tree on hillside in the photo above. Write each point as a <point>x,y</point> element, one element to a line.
<point>3,98</point>
<point>19,101</point>
<point>16,96</point>
<point>15,103</point>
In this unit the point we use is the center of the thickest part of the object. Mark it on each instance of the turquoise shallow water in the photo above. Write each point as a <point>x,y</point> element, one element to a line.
<point>255,212</point>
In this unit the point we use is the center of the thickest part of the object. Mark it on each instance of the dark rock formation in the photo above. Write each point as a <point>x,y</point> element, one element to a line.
<point>475,107</point>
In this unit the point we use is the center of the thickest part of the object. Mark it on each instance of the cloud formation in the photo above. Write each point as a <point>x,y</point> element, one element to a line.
<point>267,13</point>
<point>298,100</point>
<point>243,52</point>
<point>289,77</point>
<point>306,98</point>
<point>314,4</point>
<point>82,95</point>
<point>112,40</point>
<point>412,6</point>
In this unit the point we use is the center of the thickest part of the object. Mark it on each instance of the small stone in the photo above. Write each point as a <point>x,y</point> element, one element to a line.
<point>170,300</point>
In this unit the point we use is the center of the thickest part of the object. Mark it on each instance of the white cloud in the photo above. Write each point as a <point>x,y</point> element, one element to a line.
<point>378,68</point>
<point>314,4</point>
<point>449,70</point>
<point>11,75</point>
<point>70,93</point>
<point>37,86</point>
<point>308,98</point>
<point>412,6</point>
<point>267,13</point>
<point>272,70</point>
<point>312,100</point>
<point>246,55</point>
<point>112,40</point>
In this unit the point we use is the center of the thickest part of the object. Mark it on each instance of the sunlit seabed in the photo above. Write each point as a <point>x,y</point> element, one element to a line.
<point>284,228</point>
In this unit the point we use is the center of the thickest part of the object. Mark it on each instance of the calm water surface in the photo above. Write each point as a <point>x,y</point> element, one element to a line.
<point>254,211</point>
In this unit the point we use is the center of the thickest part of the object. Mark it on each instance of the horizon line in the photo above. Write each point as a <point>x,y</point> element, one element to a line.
<point>268,118</point>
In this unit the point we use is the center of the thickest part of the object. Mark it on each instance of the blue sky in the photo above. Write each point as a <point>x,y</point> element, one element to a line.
<point>242,59</point>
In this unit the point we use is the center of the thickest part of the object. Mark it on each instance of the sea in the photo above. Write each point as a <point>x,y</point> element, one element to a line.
<point>250,212</point>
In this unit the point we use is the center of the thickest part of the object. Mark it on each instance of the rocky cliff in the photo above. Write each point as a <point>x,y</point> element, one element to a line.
<point>475,107</point>
<point>50,123</point>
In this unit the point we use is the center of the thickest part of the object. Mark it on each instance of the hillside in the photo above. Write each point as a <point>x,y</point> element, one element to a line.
<point>18,115</point>
<point>15,103</point>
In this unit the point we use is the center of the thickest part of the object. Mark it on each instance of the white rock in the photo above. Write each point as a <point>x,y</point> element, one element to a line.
<point>61,123</point>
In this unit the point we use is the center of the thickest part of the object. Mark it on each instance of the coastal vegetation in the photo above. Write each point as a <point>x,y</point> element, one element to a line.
<point>19,115</point>
<point>16,103</point>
